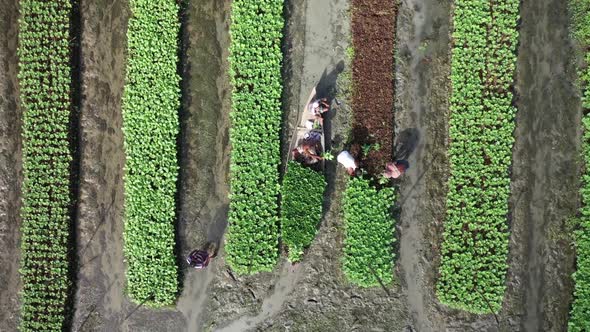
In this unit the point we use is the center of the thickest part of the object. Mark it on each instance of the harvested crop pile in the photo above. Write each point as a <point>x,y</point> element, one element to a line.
<point>373,39</point>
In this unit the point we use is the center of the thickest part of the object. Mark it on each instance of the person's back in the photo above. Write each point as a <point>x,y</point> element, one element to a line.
<point>198,259</point>
<point>346,159</point>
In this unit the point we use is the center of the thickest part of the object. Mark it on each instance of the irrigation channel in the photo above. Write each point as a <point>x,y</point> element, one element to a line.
<point>314,294</point>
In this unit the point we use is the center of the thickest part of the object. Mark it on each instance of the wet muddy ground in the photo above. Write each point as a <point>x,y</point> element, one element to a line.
<point>10,167</point>
<point>313,295</point>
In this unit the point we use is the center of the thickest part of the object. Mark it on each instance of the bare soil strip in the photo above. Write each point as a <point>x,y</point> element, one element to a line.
<point>10,168</point>
<point>101,276</point>
<point>422,111</point>
<point>373,40</point>
<point>546,168</point>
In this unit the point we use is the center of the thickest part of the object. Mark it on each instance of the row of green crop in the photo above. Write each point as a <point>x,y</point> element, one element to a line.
<point>302,196</point>
<point>45,80</point>
<point>475,239</point>
<point>151,102</point>
<point>369,233</point>
<point>580,312</point>
<point>255,70</point>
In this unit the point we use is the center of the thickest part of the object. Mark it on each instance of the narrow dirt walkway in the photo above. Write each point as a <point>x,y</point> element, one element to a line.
<point>423,68</point>
<point>101,277</point>
<point>204,182</point>
<point>10,167</point>
<point>546,166</point>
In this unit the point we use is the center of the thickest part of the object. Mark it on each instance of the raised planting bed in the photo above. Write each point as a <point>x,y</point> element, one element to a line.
<point>369,225</point>
<point>373,39</point>
<point>580,311</point>
<point>151,102</point>
<point>475,239</point>
<point>369,228</point>
<point>302,196</point>
<point>45,90</point>
<point>255,70</point>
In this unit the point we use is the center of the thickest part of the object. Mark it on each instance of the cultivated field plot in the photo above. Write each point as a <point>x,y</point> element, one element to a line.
<point>146,182</point>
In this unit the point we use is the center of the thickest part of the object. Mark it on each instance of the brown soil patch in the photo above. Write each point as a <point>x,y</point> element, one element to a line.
<point>373,38</point>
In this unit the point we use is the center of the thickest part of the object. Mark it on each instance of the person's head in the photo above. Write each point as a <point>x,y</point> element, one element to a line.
<point>358,172</point>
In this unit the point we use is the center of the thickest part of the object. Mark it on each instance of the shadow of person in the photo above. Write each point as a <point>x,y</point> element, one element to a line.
<point>407,141</point>
<point>326,88</point>
<point>218,226</point>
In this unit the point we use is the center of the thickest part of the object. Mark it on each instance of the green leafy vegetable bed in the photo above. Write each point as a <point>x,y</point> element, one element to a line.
<point>255,69</point>
<point>45,79</point>
<point>369,228</point>
<point>580,313</point>
<point>150,123</point>
<point>301,209</point>
<point>475,239</point>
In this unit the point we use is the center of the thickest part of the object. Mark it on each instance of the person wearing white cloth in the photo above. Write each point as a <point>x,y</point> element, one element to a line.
<point>348,162</point>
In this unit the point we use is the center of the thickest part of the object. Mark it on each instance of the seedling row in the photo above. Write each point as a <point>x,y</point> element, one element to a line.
<point>151,102</point>
<point>302,195</point>
<point>475,238</point>
<point>255,70</point>
<point>45,79</point>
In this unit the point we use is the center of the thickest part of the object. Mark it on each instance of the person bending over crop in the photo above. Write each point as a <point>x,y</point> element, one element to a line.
<point>396,169</point>
<point>200,258</point>
<point>307,150</point>
<point>351,165</point>
<point>318,107</point>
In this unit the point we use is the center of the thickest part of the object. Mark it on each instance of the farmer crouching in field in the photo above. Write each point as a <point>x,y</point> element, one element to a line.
<point>307,150</point>
<point>200,258</point>
<point>351,165</point>
<point>396,169</point>
<point>318,107</point>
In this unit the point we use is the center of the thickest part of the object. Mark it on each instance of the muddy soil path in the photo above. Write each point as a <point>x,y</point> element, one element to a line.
<point>101,304</point>
<point>99,299</point>
<point>545,178</point>
<point>10,167</point>
<point>423,87</point>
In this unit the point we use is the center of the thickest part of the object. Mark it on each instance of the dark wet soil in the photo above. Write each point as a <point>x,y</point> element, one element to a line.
<point>10,168</point>
<point>545,172</point>
<point>373,41</point>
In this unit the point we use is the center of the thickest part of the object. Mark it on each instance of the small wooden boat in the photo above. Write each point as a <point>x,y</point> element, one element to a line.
<point>302,130</point>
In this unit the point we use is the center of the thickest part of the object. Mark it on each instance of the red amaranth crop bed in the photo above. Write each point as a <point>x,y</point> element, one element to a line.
<point>373,38</point>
